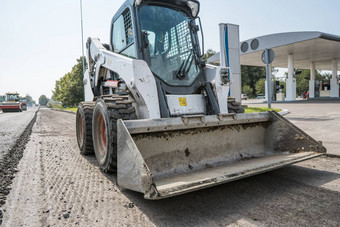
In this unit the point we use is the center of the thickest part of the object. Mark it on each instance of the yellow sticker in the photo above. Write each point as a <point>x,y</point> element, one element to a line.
<point>182,101</point>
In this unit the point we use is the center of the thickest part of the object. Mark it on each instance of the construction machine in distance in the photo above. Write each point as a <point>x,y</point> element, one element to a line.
<point>24,104</point>
<point>155,113</point>
<point>12,103</point>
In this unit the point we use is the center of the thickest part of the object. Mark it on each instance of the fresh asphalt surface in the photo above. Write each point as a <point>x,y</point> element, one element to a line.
<point>57,186</point>
<point>11,127</point>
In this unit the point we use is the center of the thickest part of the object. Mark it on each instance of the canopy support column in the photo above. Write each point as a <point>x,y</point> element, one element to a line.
<point>334,80</point>
<point>291,81</point>
<point>312,81</point>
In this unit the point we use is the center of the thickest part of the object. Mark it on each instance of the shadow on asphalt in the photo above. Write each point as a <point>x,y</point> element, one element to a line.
<point>93,161</point>
<point>268,198</point>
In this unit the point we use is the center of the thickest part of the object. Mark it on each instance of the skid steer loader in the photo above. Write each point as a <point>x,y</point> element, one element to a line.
<point>155,113</point>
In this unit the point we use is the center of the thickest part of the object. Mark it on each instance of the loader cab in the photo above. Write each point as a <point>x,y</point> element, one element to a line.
<point>164,34</point>
<point>12,97</point>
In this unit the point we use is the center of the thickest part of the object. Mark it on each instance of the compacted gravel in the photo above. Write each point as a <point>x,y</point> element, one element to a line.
<point>56,186</point>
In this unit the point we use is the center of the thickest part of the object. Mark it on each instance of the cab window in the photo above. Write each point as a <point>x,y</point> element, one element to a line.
<point>122,35</point>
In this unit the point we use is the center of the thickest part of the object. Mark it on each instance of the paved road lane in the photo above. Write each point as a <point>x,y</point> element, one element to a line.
<point>12,126</point>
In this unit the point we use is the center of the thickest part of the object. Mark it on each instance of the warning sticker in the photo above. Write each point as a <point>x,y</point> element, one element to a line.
<point>182,101</point>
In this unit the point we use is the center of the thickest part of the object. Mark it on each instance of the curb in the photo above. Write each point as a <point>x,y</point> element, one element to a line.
<point>284,112</point>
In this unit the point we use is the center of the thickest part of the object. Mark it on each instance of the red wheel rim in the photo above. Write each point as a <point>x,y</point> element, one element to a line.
<point>101,129</point>
<point>81,129</point>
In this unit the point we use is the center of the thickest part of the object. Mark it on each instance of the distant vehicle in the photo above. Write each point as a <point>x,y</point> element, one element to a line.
<point>260,96</point>
<point>24,104</point>
<point>12,103</point>
<point>244,96</point>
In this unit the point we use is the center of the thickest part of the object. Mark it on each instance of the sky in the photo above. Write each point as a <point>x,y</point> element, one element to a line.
<point>40,40</point>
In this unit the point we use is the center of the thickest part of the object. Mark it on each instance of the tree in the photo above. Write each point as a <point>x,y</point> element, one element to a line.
<point>260,86</point>
<point>43,100</point>
<point>69,89</point>
<point>246,89</point>
<point>251,75</point>
<point>208,54</point>
<point>302,81</point>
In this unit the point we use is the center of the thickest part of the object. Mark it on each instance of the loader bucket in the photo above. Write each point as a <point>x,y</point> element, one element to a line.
<point>172,156</point>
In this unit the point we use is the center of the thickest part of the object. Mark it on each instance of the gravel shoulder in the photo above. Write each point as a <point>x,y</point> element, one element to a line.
<point>57,186</point>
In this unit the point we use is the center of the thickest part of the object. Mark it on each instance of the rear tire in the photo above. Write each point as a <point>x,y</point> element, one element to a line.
<point>234,107</point>
<point>107,111</point>
<point>84,127</point>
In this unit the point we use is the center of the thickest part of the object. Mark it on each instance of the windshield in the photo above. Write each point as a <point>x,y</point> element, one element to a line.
<point>170,45</point>
<point>12,97</point>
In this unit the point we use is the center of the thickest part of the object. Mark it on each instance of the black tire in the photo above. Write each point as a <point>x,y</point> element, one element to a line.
<point>234,107</point>
<point>107,111</point>
<point>84,127</point>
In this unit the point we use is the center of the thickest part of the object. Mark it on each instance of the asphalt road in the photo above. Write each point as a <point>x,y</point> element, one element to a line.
<point>11,127</point>
<point>57,186</point>
<point>320,119</point>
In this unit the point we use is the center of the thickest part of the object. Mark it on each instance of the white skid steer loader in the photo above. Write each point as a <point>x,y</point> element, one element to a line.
<point>156,114</point>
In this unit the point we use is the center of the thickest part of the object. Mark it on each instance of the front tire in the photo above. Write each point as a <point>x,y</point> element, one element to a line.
<point>84,127</point>
<point>107,111</point>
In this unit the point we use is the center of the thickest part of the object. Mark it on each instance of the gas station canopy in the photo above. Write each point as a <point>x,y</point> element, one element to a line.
<point>320,48</point>
<point>306,47</point>
<point>296,50</point>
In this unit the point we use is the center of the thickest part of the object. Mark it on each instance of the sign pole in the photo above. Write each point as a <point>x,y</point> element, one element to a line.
<point>269,98</point>
<point>82,38</point>
<point>267,58</point>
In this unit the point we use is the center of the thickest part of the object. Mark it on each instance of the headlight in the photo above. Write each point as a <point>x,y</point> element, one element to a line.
<point>224,73</point>
<point>194,8</point>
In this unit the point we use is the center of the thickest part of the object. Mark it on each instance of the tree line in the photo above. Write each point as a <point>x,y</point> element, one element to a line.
<point>69,89</point>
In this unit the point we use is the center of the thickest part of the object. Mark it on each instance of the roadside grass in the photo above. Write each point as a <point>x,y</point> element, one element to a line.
<point>259,109</point>
<point>74,109</point>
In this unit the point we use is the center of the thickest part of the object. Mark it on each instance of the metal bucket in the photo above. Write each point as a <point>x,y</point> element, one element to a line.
<point>167,157</point>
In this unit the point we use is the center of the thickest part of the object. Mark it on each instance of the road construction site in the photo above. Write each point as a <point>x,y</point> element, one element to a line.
<point>54,185</point>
